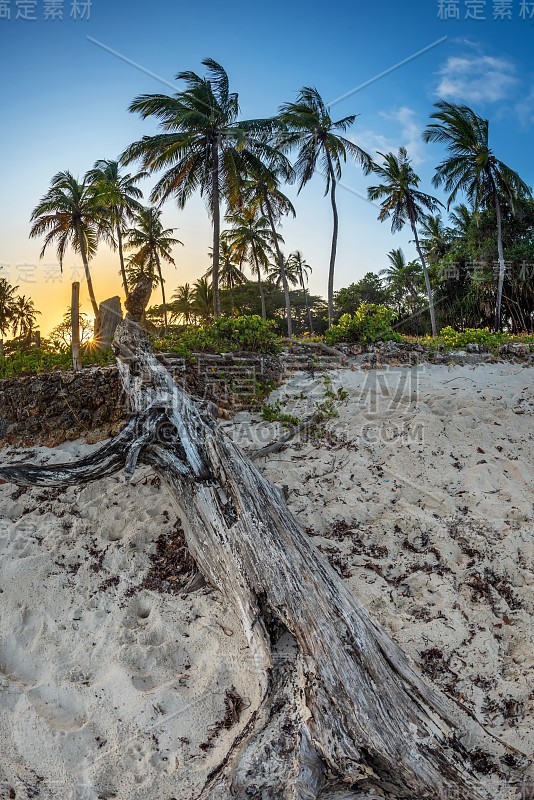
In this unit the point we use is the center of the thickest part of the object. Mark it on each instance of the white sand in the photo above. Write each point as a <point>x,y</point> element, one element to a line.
<point>420,492</point>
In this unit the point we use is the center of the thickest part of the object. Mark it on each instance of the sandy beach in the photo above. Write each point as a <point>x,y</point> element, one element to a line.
<point>420,493</point>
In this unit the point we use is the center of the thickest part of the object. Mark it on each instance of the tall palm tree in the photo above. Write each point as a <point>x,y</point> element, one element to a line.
<point>71,214</point>
<point>435,238</point>
<point>120,195</point>
<point>402,277</point>
<point>462,217</point>
<point>154,244</point>
<point>251,236</point>
<point>310,128</point>
<point>203,145</point>
<point>7,303</point>
<point>291,274</point>
<point>23,317</point>
<point>230,272</point>
<point>472,168</point>
<point>184,303</point>
<point>203,299</point>
<point>302,269</point>
<point>403,202</point>
<point>261,191</point>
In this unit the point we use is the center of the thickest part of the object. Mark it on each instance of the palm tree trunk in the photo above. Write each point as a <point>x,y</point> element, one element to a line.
<point>308,312</point>
<point>502,266</point>
<point>427,281</point>
<point>88,278</point>
<point>334,242</point>
<point>164,301</point>
<point>260,284</point>
<point>282,268</point>
<point>121,258</point>
<point>216,213</point>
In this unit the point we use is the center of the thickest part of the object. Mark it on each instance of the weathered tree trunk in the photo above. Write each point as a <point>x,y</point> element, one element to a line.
<point>341,704</point>
<point>109,316</point>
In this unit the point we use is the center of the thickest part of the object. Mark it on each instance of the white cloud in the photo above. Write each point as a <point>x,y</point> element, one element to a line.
<point>409,136</point>
<point>476,79</point>
<point>525,109</point>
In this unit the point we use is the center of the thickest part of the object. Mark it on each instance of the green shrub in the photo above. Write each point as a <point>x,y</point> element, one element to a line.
<point>225,334</point>
<point>37,361</point>
<point>453,340</point>
<point>369,323</point>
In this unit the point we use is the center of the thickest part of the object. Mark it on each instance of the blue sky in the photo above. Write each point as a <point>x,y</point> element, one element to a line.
<point>64,100</point>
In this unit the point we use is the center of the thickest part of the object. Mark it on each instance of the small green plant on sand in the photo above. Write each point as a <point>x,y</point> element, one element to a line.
<point>325,409</point>
<point>274,413</point>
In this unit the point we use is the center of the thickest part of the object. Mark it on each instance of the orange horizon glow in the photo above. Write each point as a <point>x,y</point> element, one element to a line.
<point>50,289</point>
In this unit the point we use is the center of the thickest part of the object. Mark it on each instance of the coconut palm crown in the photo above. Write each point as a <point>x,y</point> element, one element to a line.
<point>71,214</point>
<point>308,127</point>
<point>473,169</point>
<point>401,202</point>
<point>202,146</point>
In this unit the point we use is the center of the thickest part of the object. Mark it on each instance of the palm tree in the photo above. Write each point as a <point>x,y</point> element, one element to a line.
<point>153,244</point>
<point>401,277</point>
<point>310,128</point>
<point>202,145</point>
<point>251,236</point>
<point>71,213</point>
<point>184,304</point>
<point>23,317</point>
<point>291,274</point>
<point>203,298</point>
<point>7,304</point>
<point>297,263</point>
<point>403,202</point>
<point>230,273</point>
<point>472,168</point>
<point>120,195</point>
<point>435,238</point>
<point>462,217</point>
<point>261,191</point>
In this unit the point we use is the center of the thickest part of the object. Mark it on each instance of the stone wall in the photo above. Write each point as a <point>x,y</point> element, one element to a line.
<point>59,406</point>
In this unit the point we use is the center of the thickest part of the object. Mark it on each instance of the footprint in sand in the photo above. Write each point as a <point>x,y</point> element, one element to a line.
<point>16,649</point>
<point>59,707</point>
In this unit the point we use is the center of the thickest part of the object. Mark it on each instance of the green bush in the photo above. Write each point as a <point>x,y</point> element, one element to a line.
<point>223,335</point>
<point>37,361</point>
<point>453,340</point>
<point>369,323</point>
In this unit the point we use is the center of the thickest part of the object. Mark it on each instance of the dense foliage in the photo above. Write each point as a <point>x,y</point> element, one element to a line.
<point>38,360</point>
<point>369,323</point>
<point>223,335</point>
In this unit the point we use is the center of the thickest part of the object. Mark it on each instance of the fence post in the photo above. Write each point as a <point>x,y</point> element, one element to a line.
<point>75,326</point>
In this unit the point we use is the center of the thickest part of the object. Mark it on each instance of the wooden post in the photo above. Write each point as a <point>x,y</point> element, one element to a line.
<point>75,326</point>
<point>38,338</point>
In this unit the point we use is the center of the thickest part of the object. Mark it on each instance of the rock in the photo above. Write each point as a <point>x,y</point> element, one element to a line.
<point>519,350</point>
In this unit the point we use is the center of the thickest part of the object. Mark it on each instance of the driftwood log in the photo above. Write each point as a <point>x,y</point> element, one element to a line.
<point>342,707</point>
